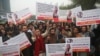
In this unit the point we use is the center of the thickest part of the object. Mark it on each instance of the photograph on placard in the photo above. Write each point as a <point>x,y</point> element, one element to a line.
<point>68,50</point>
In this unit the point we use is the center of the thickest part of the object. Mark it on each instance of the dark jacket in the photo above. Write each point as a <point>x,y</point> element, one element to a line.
<point>28,51</point>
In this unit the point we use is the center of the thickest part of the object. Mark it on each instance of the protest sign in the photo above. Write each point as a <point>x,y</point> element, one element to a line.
<point>1,41</point>
<point>24,14</point>
<point>58,49</point>
<point>62,16</point>
<point>11,18</point>
<point>88,17</point>
<point>44,11</point>
<point>20,39</point>
<point>67,15</point>
<point>79,44</point>
<point>71,14</point>
<point>10,50</point>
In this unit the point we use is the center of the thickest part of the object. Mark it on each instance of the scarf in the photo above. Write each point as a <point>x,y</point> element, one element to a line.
<point>39,45</point>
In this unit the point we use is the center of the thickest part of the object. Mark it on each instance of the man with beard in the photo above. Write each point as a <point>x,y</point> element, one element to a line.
<point>28,51</point>
<point>52,37</point>
<point>39,48</point>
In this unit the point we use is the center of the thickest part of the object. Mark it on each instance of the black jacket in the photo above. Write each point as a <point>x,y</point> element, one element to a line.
<point>28,51</point>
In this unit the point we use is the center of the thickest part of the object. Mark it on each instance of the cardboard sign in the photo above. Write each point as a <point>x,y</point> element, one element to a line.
<point>81,44</point>
<point>11,18</point>
<point>10,50</point>
<point>62,16</point>
<point>58,49</point>
<point>88,17</point>
<point>44,11</point>
<point>24,14</point>
<point>20,39</point>
<point>71,14</point>
<point>67,15</point>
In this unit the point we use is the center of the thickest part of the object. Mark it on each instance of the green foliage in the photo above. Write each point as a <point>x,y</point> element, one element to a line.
<point>2,21</point>
<point>68,7</point>
<point>88,4</point>
<point>85,4</point>
<point>98,1</point>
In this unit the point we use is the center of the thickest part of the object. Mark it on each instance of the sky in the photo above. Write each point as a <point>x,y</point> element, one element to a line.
<point>17,5</point>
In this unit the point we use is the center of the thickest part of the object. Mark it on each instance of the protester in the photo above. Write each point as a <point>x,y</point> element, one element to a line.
<point>3,35</point>
<point>52,37</point>
<point>68,30</point>
<point>28,51</point>
<point>38,38</point>
<point>1,26</point>
<point>41,28</point>
<point>76,32</point>
<point>2,32</point>
<point>41,33</point>
<point>86,33</point>
<point>14,28</point>
<point>30,27</point>
<point>63,34</point>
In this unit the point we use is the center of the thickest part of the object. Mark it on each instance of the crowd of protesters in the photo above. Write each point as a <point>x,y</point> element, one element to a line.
<point>41,33</point>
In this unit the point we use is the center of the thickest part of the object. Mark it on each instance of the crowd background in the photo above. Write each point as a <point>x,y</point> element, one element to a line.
<point>52,33</point>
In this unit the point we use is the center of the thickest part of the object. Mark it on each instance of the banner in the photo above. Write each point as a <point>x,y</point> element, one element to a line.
<point>20,39</point>
<point>58,49</point>
<point>1,41</point>
<point>62,17</point>
<point>45,11</point>
<point>22,15</point>
<point>71,14</point>
<point>10,50</point>
<point>81,44</point>
<point>88,17</point>
<point>67,15</point>
<point>11,18</point>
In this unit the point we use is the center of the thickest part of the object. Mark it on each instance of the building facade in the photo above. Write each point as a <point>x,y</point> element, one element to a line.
<point>4,8</point>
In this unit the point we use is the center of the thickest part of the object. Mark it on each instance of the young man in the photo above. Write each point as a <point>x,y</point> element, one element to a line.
<point>28,51</point>
<point>38,38</point>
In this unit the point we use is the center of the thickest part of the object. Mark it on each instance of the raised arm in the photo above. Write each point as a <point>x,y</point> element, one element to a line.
<point>47,30</point>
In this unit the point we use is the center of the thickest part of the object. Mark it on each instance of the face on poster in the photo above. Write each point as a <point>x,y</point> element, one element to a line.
<point>71,14</point>
<point>68,50</point>
<point>55,12</point>
<point>9,17</point>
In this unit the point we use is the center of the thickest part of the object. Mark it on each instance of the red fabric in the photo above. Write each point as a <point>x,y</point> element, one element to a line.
<point>56,19</point>
<point>68,55</point>
<point>39,45</point>
<point>69,20</point>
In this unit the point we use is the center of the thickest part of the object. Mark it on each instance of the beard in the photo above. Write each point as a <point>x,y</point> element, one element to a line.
<point>52,33</point>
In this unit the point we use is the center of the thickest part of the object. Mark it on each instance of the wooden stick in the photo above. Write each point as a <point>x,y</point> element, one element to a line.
<point>22,54</point>
<point>77,54</point>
